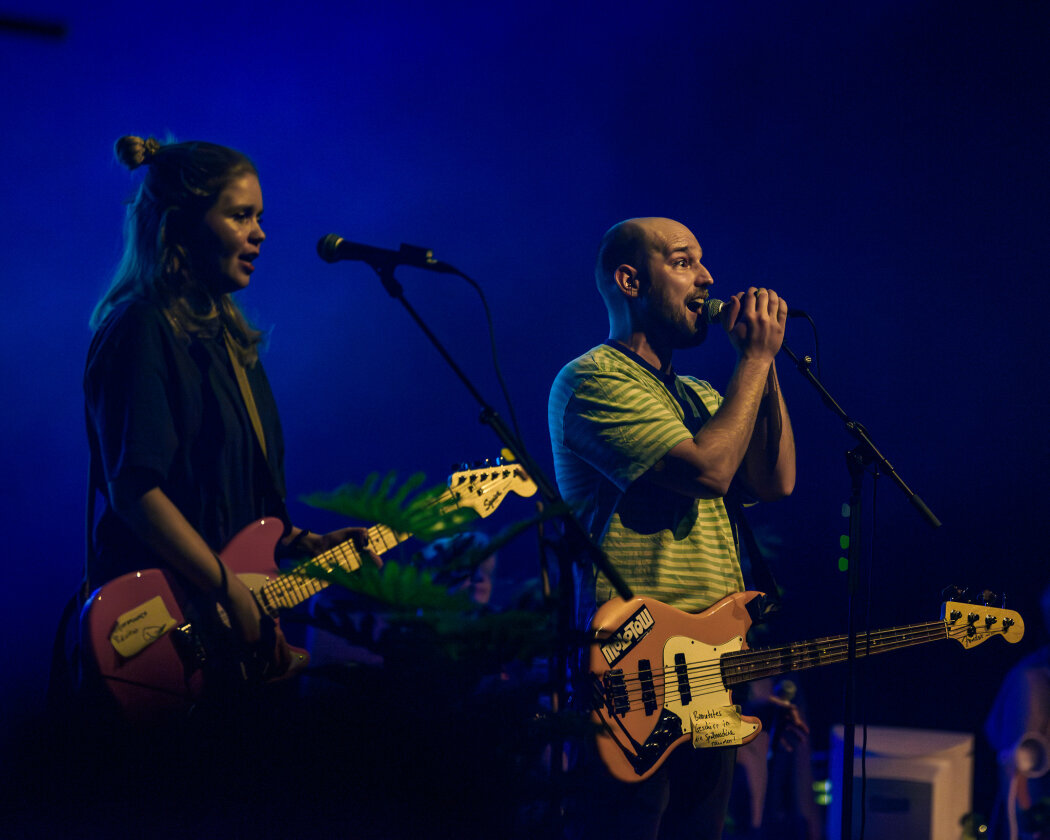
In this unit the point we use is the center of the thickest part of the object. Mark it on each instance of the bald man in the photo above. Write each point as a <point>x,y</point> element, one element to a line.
<point>648,457</point>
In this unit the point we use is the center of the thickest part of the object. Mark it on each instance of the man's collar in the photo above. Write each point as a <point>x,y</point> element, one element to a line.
<point>666,378</point>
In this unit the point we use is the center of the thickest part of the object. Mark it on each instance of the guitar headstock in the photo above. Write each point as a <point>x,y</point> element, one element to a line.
<point>483,489</point>
<point>971,624</point>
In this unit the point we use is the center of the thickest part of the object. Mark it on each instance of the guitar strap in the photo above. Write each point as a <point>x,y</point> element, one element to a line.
<point>241,375</point>
<point>246,390</point>
<point>761,573</point>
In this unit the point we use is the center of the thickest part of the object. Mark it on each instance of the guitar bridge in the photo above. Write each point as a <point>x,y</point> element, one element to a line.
<point>615,689</point>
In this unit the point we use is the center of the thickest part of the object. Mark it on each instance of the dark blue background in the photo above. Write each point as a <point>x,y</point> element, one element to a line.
<point>882,165</point>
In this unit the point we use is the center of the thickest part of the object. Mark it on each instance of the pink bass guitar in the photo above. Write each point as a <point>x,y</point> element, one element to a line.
<point>144,635</point>
<point>662,677</point>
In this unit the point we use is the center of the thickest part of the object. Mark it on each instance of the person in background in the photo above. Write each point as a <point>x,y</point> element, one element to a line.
<point>1018,728</point>
<point>475,576</point>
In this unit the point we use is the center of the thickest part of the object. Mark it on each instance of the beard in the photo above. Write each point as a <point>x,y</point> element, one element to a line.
<point>670,324</point>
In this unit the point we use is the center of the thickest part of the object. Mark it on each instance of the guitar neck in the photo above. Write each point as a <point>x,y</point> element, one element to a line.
<point>294,587</point>
<point>745,666</point>
<point>478,490</point>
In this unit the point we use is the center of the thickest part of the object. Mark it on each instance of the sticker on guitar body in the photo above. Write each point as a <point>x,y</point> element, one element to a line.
<point>721,727</point>
<point>140,627</point>
<point>629,634</point>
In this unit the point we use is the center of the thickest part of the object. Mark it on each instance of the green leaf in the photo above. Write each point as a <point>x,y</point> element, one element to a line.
<point>403,588</point>
<point>426,514</point>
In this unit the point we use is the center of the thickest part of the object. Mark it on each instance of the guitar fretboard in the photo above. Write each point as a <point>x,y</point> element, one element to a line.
<point>294,587</point>
<point>478,490</point>
<point>747,665</point>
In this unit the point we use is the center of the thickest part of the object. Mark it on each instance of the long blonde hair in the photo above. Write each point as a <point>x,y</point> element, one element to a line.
<point>182,182</point>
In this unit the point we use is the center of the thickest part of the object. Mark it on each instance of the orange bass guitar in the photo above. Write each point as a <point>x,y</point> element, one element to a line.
<point>662,677</point>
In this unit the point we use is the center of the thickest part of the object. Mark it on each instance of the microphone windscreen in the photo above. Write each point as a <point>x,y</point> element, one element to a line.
<point>713,309</point>
<point>328,247</point>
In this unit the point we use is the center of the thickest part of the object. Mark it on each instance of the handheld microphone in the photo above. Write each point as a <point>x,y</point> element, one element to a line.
<point>333,248</point>
<point>712,310</point>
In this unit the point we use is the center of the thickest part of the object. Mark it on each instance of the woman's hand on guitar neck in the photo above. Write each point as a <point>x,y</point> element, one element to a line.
<point>302,542</point>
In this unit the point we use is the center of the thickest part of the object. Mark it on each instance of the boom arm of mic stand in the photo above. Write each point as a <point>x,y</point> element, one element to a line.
<point>861,434</point>
<point>547,490</point>
<point>544,485</point>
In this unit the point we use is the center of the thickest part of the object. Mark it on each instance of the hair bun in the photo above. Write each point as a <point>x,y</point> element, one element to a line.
<point>133,151</point>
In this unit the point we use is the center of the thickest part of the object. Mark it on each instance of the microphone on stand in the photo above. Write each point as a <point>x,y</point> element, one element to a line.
<point>334,248</point>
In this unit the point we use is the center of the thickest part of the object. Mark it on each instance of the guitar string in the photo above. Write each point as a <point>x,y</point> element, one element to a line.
<point>280,592</point>
<point>796,657</point>
<point>295,585</point>
<point>800,657</point>
<point>754,673</point>
<point>711,673</point>
<point>757,659</point>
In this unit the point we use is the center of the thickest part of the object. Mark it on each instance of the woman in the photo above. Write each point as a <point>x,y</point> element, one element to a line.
<point>186,445</point>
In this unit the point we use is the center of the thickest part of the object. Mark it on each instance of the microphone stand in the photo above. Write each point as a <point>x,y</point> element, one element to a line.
<point>857,460</point>
<point>577,544</point>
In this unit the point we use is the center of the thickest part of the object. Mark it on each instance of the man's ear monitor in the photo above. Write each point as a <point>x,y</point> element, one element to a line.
<point>628,278</point>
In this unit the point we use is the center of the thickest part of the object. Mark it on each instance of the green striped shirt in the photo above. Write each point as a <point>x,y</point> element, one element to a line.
<point>612,417</point>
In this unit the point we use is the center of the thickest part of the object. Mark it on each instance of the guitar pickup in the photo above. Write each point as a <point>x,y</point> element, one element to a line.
<point>645,677</point>
<point>681,672</point>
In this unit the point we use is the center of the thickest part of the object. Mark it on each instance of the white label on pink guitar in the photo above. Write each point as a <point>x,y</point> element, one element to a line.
<point>140,627</point>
